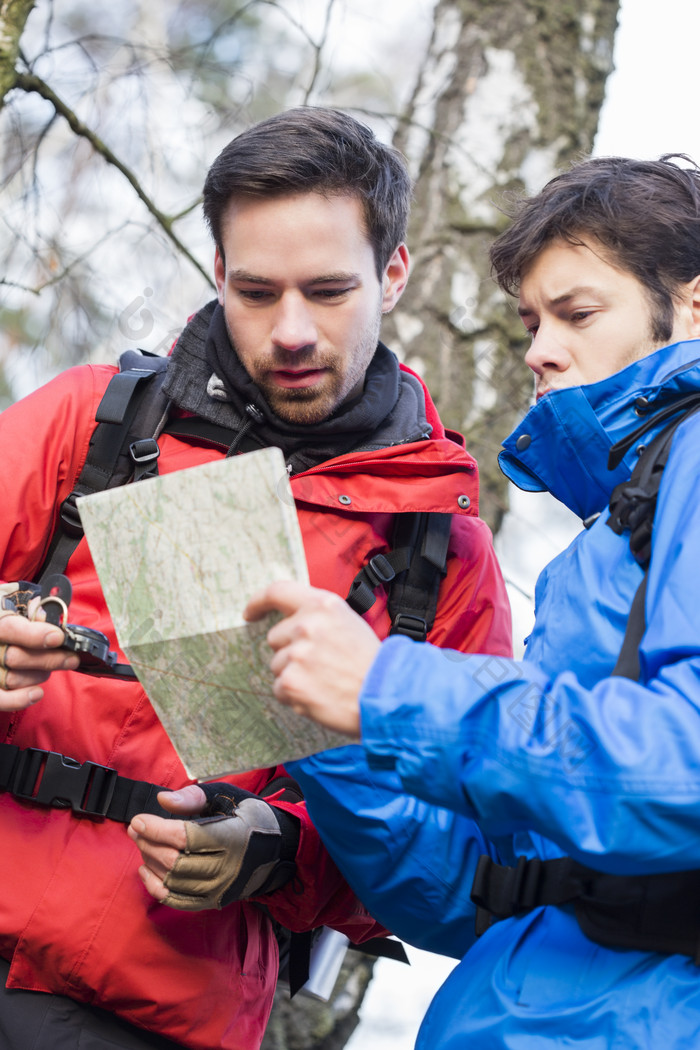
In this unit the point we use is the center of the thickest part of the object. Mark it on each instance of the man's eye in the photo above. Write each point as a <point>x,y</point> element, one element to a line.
<point>331,293</point>
<point>532,329</point>
<point>581,315</point>
<point>254,295</point>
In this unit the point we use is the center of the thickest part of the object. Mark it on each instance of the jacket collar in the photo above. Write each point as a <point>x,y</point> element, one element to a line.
<point>563,443</point>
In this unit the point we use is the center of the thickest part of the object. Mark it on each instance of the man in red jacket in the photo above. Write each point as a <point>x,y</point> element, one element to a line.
<point>308,212</point>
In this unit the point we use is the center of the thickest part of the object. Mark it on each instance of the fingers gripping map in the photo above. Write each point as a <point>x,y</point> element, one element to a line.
<point>178,558</point>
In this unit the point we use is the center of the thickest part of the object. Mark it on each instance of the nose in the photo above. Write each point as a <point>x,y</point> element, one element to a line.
<point>294,326</point>
<point>547,352</point>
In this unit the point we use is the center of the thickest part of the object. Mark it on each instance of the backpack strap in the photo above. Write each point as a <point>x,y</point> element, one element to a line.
<point>122,446</point>
<point>413,595</point>
<point>412,571</point>
<point>48,778</point>
<point>652,913</point>
<point>632,508</point>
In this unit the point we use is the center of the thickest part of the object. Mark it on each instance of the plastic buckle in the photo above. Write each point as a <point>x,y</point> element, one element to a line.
<point>70,518</point>
<point>414,627</point>
<point>379,570</point>
<point>145,450</point>
<point>145,453</point>
<point>51,779</point>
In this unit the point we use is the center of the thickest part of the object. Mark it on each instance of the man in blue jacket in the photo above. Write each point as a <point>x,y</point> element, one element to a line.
<point>560,793</point>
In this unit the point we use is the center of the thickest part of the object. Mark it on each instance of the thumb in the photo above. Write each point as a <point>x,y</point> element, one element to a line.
<point>188,801</point>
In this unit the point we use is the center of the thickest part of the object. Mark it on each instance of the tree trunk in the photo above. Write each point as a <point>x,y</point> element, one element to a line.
<point>509,94</point>
<point>309,1024</point>
<point>13,18</point>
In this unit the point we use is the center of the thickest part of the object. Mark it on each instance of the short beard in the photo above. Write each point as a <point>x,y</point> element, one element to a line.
<point>308,407</point>
<point>303,407</point>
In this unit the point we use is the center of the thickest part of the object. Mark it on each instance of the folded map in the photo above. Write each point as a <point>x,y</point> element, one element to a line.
<point>178,557</point>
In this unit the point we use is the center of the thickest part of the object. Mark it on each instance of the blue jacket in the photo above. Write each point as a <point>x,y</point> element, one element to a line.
<point>546,756</point>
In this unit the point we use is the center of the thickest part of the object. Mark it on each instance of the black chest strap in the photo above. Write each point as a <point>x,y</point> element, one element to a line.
<point>655,913</point>
<point>91,790</point>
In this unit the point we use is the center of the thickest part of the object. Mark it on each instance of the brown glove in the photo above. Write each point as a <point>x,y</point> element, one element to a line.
<point>230,858</point>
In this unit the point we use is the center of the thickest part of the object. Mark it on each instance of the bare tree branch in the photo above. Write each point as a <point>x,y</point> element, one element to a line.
<point>31,83</point>
<point>318,48</point>
<point>20,287</point>
<point>68,268</point>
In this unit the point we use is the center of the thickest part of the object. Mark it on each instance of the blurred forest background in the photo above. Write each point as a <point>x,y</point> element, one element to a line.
<point>111,114</point>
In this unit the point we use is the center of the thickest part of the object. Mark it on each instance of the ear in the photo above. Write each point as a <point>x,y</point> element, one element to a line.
<point>395,278</point>
<point>694,306</point>
<point>219,275</point>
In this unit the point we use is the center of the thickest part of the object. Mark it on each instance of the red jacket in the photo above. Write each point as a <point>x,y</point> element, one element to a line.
<point>74,916</point>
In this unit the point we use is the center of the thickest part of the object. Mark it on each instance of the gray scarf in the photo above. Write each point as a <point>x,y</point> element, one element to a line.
<point>206,377</point>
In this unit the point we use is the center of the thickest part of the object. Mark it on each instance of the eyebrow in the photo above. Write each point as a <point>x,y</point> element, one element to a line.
<point>326,278</point>
<point>565,297</point>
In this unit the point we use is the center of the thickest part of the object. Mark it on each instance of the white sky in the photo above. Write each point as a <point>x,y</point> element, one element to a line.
<point>651,104</point>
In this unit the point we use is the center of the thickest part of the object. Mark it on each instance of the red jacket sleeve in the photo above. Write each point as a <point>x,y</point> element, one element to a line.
<point>473,613</point>
<point>47,435</point>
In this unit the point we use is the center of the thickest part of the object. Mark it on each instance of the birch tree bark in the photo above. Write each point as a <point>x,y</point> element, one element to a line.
<point>13,18</point>
<point>509,94</point>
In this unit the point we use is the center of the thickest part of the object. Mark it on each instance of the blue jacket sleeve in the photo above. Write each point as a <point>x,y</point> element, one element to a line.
<point>608,770</point>
<point>610,774</point>
<point>406,860</point>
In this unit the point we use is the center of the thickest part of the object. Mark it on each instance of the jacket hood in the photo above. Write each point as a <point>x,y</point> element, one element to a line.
<point>563,443</point>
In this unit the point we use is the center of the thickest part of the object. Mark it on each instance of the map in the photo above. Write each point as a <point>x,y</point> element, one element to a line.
<point>189,550</point>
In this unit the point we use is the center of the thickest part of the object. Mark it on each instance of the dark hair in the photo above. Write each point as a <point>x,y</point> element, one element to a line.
<point>646,213</point>
<point>320,150</point>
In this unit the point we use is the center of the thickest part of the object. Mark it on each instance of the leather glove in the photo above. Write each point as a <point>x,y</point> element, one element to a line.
<point>241,847</point>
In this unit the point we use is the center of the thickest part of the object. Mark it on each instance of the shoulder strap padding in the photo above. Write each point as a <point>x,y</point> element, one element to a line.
<point>413,595</point>
<point>633,507</point>
<point>129,417</point>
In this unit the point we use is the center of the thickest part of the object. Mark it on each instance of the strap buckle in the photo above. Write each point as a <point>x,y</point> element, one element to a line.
<point>379,570</point>
<point>414,627</point>
<point>51,779</point>
<point>70,518</point>
<point>145,453</point>
<point>145,450</point>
